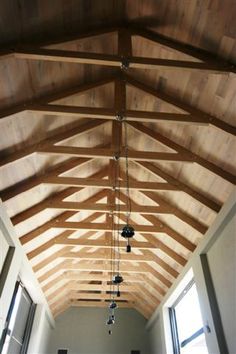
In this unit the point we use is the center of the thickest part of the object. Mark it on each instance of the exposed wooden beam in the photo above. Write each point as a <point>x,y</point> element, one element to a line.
<point>67,56</point>
<point>103,183</point>
<point>100,266</point>
<point>145,209</point>
<point>166,205</point>
<point>180,149</point>
<point>147,256</point>
<point>55,198</point>
<point>181,47</point>
<point>51,223</point>
<point>181,186</point>
<point>163,228</point>
<point>109,153</point>
<point>54,96</point>
<point>188,219</point>
<point>111,113</point>
<point>87,126</point>
<point>73,225</point>
<point>34,181</point>
<point>192,111</point>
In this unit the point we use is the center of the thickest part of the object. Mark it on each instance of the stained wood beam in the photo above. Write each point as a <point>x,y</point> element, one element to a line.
<point>50,224</point>
<point>167,230</point>
<point>146,209</point>
<point>133,279</point>
<point>109,153</point>
<point>67,56</point>
<point>192,111</point>
<point>180,149</point>
<point>35,181</point>
<point>181,47</point>
<point>172,209</point>
<point>55,198</point>
<point>55,96</point>
<point>73,289</point>
<point>67,265</point>
<point>147,256</point>
<point>99,276</point>
<point>181,186</point>
<point>111,113</point>
<point>73,225</point>
<point>103,183</point>
<point>31,149</point>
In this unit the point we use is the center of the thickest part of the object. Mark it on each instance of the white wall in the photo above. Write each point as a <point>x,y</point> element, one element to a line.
<point>20,266</point>
<point>219,244</point>
<point>222,262</point>
<point>83,331</point>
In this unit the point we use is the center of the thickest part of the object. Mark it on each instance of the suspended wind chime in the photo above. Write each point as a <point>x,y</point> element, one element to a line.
<point>127,231</point>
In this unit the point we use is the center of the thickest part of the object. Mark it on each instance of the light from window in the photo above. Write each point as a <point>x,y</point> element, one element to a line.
<point>186,323</point>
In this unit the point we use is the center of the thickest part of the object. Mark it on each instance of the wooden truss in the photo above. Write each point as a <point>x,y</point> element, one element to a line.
<point>81,278</point>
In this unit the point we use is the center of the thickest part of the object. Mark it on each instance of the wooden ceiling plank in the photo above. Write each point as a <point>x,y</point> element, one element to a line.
<point>195,158</point>
<point>182,186</point>
<point>54,96</point>
<point>68,56</point>
<point>93,32</point>
<point>194,112</point>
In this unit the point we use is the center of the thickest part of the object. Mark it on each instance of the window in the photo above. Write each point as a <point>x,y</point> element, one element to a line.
<point>16,334</point>
<point>186,323</point>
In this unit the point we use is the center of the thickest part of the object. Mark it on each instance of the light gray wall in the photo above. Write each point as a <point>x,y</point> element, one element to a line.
<point>222,263</point>
<point>40,332</point>
<point>20,266</point>
<point>219,244</point>
<point>83,331</point>
<point>155,337</point>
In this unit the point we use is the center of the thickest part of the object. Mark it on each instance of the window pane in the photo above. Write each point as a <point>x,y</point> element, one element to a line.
<point>188,315</point>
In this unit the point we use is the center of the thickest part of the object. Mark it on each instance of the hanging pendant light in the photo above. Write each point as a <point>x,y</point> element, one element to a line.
<point>127,231</point>
<point>117,279</point>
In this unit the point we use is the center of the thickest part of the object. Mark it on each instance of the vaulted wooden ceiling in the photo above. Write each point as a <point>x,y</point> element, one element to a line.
<point>60,130</point>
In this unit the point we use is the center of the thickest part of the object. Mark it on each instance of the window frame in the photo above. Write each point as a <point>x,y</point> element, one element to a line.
<point>177,345</point>
<point>27,331</point>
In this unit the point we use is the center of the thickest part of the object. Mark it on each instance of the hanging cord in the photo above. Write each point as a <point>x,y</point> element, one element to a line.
<point>128,200</point>
<point>118,211</point>
<point>112,256</point>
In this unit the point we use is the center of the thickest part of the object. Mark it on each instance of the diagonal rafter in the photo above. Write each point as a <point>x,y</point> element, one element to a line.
<point>86,127</point>
<point>51,97</point>
<point>180,149</point>
<point>157,171</point>
<point>198,114</point>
